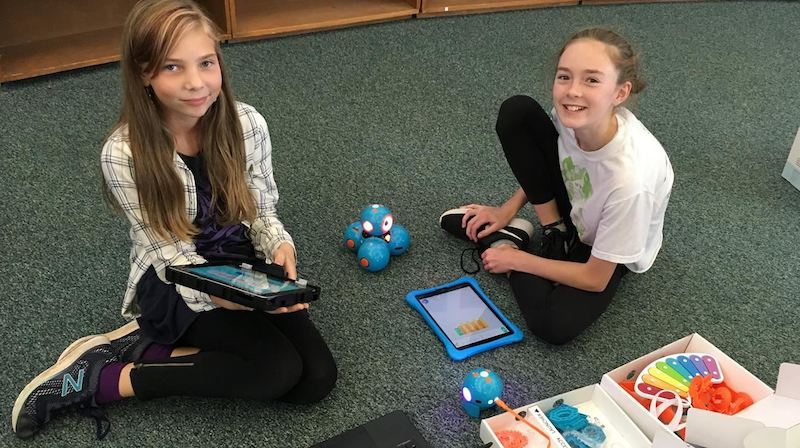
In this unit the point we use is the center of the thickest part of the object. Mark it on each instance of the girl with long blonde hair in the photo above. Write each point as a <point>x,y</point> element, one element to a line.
<point>191,170</point>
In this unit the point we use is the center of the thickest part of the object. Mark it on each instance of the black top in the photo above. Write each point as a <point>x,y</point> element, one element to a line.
<point>164,314</point>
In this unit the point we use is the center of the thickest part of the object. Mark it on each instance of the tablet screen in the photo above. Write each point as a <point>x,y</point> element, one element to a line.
<point>463,316</point>
<point>249,280</point>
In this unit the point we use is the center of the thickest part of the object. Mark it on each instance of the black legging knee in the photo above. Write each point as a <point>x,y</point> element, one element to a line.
<point>244,354</point>
<point>530,143</point>
<point>558,313</point>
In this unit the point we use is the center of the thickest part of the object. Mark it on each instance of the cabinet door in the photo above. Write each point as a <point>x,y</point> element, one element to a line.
<point>443,7</point>
<point>219,11</point>
<point>260,18</point>
<point>71,35</point>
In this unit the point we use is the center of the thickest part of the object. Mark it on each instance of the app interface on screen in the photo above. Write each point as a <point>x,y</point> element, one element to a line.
<point>463,316</point>
<point>254,281</point>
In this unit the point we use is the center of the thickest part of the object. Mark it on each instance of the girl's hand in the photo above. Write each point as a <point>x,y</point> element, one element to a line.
<point>495,218</point>
<point>290,309</point>
<point>501,259</point>
<point>284,256</point>
<point>227,304</point>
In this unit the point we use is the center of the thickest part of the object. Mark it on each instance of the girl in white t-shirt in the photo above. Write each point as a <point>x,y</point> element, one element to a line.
<point>598,181</point>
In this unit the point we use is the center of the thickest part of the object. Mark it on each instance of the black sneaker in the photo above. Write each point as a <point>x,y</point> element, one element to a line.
<point>127,342</point>
<point>517,233</point>
<point>70,384</point>
<point>556,244</point>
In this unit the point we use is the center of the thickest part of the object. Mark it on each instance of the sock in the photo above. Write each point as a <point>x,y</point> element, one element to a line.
<point>503,243</point>
<point>560,225</point>
<point>156,352</point>
<point>108,389</point>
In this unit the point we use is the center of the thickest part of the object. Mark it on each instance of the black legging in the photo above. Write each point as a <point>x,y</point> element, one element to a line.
<point>244,354</point>
<point>554,313</point>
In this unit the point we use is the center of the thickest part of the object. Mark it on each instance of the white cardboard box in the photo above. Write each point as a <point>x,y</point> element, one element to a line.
<point>791,171</point>
<point>773,421</point>
<point>592,400</point>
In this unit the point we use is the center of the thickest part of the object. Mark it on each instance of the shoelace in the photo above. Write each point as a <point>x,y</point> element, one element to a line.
<point>103,424</point>
<point>475,258</point>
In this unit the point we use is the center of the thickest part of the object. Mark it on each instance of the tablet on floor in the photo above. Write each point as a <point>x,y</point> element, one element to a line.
<point>463,318</point>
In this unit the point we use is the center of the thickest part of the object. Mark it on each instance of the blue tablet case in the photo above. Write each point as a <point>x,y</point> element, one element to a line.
<point>458,354</point>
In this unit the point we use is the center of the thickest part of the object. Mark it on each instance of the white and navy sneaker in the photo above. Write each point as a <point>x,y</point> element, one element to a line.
<point>517,233</point>
<point>70,384</point>
<point>127,342</point>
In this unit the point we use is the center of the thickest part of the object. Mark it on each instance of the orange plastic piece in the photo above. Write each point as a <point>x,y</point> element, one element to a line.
<point>665,416</point>
<point>717,397</point>
<point>629,387</point>
<point>741,401</point>
<point>700,391</point>
<point>517,417</point>
<point>511,439</point>
<point>721,399</point>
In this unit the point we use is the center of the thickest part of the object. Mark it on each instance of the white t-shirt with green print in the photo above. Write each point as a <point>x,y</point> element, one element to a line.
<point>619,193</point>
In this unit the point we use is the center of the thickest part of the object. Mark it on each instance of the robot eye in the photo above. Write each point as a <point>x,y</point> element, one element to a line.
<point>367,226</point>
<point>387,223</point>
<point>467,394</point>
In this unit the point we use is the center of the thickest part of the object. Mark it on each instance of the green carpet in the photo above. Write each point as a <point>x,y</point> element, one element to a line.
<point>403,114</point>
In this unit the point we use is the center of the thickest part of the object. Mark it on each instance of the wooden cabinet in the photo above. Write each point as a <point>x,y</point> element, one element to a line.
<point>259,18</point>
<point>39,37</point>
<point>431,8</point>
<point>610,2</point>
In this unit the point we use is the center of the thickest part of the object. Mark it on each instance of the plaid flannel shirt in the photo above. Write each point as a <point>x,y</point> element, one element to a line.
<point>266,232</point>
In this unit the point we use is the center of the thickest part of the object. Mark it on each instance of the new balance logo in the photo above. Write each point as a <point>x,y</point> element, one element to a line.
<point>70,382</point>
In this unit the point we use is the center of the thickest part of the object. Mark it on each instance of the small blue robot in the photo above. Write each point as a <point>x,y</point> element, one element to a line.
<point>376,220</point>
<point>353,236</point>
<point>373,255</point>
<point>398,240</point>
<point>482,387</point>
<point>376,237</point>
